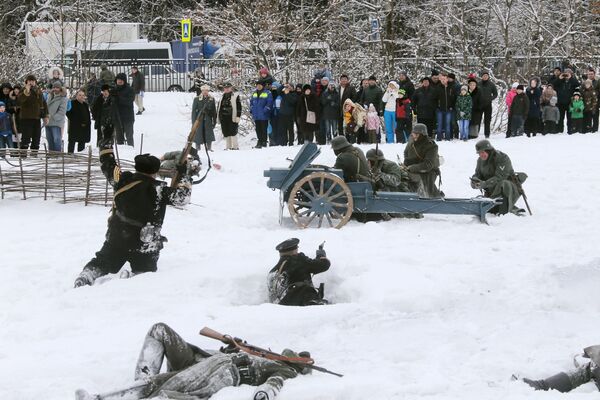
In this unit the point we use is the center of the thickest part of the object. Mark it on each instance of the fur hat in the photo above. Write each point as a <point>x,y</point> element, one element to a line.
<point>520,87</point>
<point>305,87</point>
<point>121,76</point>
<point>57,85</point>
<point>394,84</point>
<point>419,128</point>
<point>104,87</point>
<point>147,164</point>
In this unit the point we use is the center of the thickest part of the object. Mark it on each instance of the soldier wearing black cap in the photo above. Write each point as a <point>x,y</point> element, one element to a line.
<point>139,206</point>
<point>290,281</point>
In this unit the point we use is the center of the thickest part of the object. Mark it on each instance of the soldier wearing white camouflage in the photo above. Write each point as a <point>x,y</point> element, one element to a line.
<point>196,374</point>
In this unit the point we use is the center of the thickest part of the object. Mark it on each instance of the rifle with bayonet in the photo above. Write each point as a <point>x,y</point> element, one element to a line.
<point>237,344</point>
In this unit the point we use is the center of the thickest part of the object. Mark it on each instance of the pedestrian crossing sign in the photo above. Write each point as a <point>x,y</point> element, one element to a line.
<point>186,30</point>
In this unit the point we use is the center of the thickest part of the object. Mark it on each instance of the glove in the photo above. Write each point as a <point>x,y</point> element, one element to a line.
<point>81,281</point>
<point>182,168</point>
<point>475,184</point>
<point>261,396</point>
<point>321,253</point>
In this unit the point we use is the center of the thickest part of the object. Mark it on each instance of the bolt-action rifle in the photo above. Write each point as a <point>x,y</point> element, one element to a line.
<point>237,344</point>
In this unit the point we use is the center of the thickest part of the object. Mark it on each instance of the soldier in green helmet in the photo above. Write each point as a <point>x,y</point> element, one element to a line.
<point>386,175</point>
<point>422,163</point>
<point>350,159</point>
<point>494,176</point>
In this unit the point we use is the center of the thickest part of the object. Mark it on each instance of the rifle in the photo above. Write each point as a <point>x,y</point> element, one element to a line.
<point>186,151</point>
<point>517,182</point>
<point>238,344</point>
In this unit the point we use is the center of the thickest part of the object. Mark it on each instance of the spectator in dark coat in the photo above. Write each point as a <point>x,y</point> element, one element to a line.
<point>488,93</point>
<point>287,113</point>
<point>476,112</point>
<point>405,83</point>
<point>307,110</point>
<point>445,102</point>
<point>372,94</point>
<point>32,107</point>
<point>533,123</point>
<point>229,113</point>
<point>92,88</point>
<point>565,86</point>
<point>138,84</point>
<point>103,114</point>
<point>330,104</point>
<point>124,118</point>
<point>424,105</point>
<point>79,123</point>
<point>346,91</point>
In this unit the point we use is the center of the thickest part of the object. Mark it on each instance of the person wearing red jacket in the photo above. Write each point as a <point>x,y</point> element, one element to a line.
<point>403,117</point>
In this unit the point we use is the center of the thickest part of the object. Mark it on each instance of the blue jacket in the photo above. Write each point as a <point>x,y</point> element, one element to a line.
<point>5,124</point>
<point>261,105</point>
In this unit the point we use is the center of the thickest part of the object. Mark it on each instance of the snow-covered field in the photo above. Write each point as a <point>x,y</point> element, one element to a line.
<point>439,308</point>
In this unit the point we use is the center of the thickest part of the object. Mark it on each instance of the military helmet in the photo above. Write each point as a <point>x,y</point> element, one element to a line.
<point>339,143</point>
<point>483,145</point>
<point>420,129</point>
<point>375,155</point>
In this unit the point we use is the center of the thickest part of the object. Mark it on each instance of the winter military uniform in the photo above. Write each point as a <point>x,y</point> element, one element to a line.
<point>349,159</point>
<point>422,163</point>
<point>168,163</point>
<point>494,177</point>
<point>567,381</point>
<point>387,176</point>
<point>139,207</point>
<point>196,374</point>
<point>290,281</point>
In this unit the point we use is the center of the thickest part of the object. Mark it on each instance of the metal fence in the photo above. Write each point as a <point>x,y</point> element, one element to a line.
<point>182,75</point>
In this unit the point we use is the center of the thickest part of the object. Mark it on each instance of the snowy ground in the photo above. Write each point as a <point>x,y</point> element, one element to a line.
<point>438,308</point>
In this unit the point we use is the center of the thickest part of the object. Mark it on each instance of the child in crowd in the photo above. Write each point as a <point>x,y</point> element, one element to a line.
<point>519,108</point>
<point>464,107</point>
<point>576,110</point>
<point>373,124</point>
<point>551,116</point>
<point>590,102</point>
<point>403,117</point>
<point>354,119</point>
<point>6,129</point>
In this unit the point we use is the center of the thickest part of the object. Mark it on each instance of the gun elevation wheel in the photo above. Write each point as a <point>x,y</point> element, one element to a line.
<point>320,198</point>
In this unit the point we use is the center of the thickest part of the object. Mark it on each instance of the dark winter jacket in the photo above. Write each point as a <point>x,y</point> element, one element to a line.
<point>208,108</point>
<point>6,124</point>
<point>372,95</point>
<point>564,90</point>
<point>520,105</point>
<point>139,199</point>
<point>103,112</point>
<point>138,82</point>
<point>425,102</point>
<point>408,86</point>
<point>288,103</point>
<point>330,104</point>
<point>294,273</point>
<point>32,106</point>
<point>261,105</point>
<point>227,108</point>
<point>534,95</point>
<point>445,97</point>
<point>476,108</point>
<point>353,162</point>
<point>488,92</point>
<point>124,98</point>
<point>312,101</point>
<point>464,107</point>
<point>79,122</point>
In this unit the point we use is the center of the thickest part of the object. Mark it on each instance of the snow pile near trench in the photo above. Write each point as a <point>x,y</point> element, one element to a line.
<point>443,307</point>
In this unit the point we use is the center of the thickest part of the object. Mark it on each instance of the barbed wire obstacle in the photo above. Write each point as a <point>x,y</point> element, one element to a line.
<point>55,175</point>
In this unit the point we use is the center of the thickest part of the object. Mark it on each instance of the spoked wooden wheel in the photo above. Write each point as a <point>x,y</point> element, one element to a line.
<point>320,199</point>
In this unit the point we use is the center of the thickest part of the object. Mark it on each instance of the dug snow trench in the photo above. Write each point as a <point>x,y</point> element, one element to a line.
<point>439,308</point>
